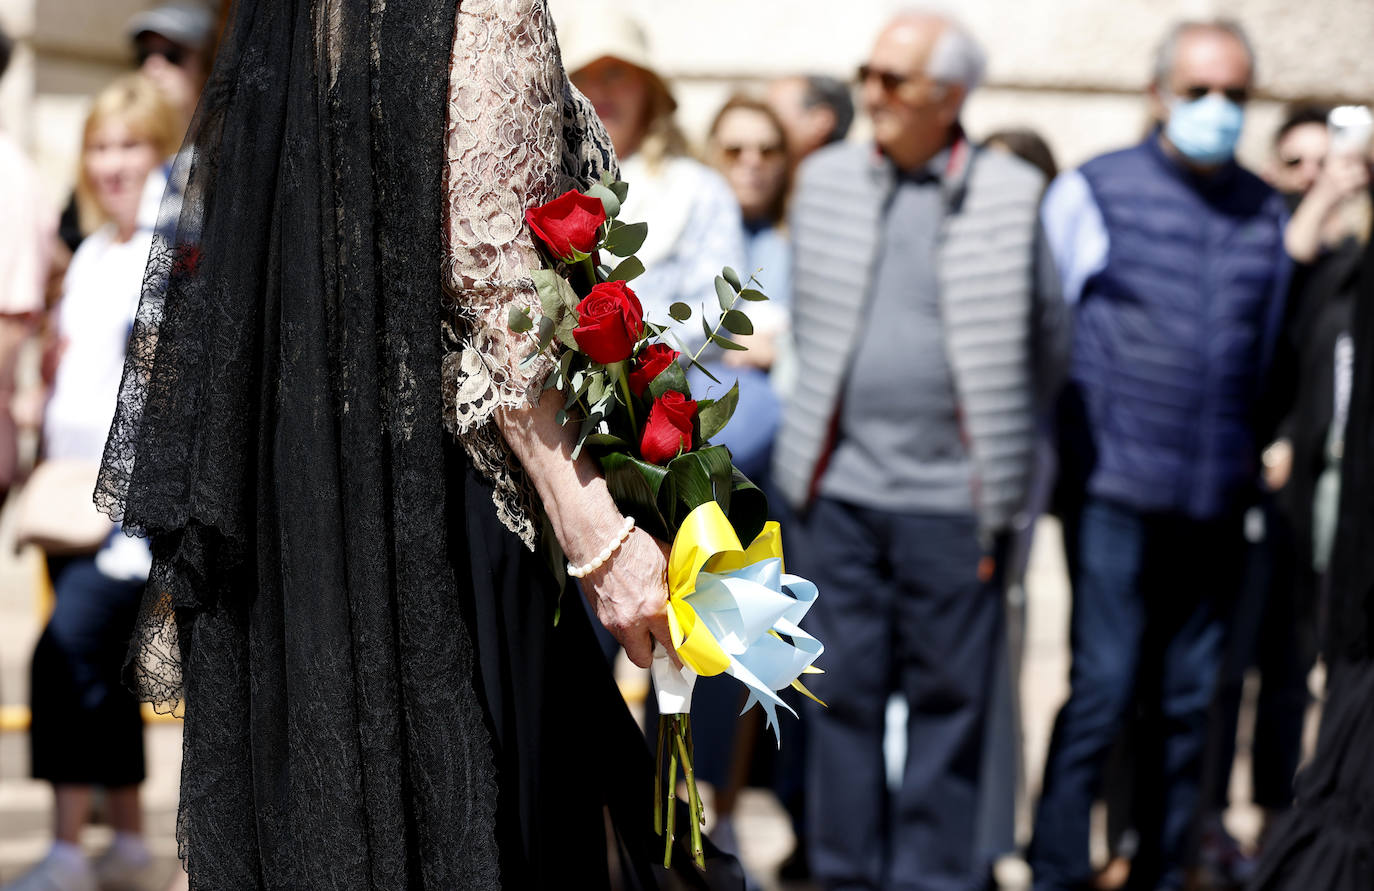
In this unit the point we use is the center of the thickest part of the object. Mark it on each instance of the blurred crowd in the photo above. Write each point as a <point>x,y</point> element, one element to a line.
<point>1154,346</point>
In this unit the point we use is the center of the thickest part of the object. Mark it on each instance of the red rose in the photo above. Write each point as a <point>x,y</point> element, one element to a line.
<point>567,223</point>
<point>669,428</point>
<point>609,323</point>
<point>651,361</point>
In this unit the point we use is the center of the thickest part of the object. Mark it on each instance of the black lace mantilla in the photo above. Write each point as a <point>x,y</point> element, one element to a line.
<point>280,439</point>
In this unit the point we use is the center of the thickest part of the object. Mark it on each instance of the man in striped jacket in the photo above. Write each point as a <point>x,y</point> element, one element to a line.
<point>928,321</point>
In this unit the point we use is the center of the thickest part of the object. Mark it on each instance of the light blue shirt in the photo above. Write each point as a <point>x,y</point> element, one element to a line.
<point>1076,232</point>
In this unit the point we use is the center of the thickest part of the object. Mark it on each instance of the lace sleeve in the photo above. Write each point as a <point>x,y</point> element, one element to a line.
<point>518,135</point>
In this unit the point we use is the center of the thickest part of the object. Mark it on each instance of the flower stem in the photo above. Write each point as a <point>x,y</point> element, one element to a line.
<point>658,776</point>
<point>694,797</point>
<point>672,808</point>
<point>719,322</point>
<point>623,378</point>
<point>590,268</point>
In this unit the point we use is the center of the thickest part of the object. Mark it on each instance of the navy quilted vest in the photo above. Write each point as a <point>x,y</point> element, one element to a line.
<point>1173,336</point>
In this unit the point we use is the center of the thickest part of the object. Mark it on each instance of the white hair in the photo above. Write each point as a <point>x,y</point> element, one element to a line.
<point>957,58</point>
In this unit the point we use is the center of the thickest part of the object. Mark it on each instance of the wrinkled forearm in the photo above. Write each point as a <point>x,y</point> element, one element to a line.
<point>573,492</point>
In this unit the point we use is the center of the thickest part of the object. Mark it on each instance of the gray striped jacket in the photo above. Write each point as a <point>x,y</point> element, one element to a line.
<point>1006,325</point>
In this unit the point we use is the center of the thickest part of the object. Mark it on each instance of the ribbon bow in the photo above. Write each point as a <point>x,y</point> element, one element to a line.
<point>734,610</point>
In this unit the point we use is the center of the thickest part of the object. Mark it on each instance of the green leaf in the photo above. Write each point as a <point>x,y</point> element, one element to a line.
<point>596,389</point>
<point>715,416</point>
<point>687,354</point>
<point>547,327</point>
<point>726,343</point>
<point>725,293</point>
<point>699,477</point>
<point>564,332</point>
<point>518,320</point>
<point>607,179</point>
<point>670,378</point>
<point>748,509</point>
<point>550,300</point>
<point>588,427</point>
<point>561,417</point>
<point>607,440</point>
<point>608,199</point>
<point>619,188</point>
<point>628,270</point>
<point>732,277</point>
<point>753,295</point>
<point>680,311</point>
<point>737,322</point>
<point>626,238</point>
<point>635,486</point>
<point>603,272</point>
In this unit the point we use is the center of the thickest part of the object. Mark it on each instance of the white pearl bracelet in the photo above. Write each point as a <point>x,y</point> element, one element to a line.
<point>587,569</point>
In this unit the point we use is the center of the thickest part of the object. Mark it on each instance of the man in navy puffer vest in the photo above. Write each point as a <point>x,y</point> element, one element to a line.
<point>1172,257</point>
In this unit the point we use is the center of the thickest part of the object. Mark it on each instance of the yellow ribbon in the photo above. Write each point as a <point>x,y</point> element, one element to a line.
<point>707,542</point>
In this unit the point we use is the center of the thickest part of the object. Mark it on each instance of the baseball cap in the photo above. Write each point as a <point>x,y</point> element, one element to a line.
<point>189,24</point>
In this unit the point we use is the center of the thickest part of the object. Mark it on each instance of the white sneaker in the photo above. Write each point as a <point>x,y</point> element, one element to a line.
<point>115,870</point>
<point>56,872</point>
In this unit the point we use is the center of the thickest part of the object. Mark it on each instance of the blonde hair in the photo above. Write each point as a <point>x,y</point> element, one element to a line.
<point>135,102</point>
<point>662,137</point>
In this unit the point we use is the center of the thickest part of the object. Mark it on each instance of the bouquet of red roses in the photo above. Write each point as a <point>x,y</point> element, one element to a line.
<point>732,608</point>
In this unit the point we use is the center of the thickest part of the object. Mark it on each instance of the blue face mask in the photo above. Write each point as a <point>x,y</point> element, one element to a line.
<point>1205,130</point>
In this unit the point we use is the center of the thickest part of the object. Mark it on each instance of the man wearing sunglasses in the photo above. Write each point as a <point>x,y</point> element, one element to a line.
<point>926,321</point>
<point>1172,257</point>
<point>172,48</point>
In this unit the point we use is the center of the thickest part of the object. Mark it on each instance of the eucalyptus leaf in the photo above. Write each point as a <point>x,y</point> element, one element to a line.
<point>528,359</point>
<point>737,322</point>
<point>588,427</point>
<point>561,417</point>
<point>680,311</point>
<point>607,179</point>
<point>564,332</point>
<point>603,272</point>
<point>725,293</point>
<point>547,327</point>
<point>726,343</point>
<point>518,320</point>
<point>626,238</point>
<point>608,199</point>
<point>691,360</point>
<point>629,269</point>
<point>619,188</point>
<point>550,296</point>
<point>715,416</point>
<point>753,295</point>
<point>732,277</point>
<point>568,295</point>
<point>670,378</point>
<point>607,440</point>
<point>596,389</point>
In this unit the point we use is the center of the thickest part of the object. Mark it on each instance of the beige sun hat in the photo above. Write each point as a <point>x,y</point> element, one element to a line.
<point>601,31</point>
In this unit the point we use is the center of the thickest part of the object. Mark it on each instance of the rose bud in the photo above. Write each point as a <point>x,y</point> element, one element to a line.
<point>669,428</point>
<point>567,223</point>
<point>610,321</point>
<point>649,364</point>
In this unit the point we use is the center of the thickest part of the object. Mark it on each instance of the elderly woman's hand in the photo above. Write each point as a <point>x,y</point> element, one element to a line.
<point>629,595</point>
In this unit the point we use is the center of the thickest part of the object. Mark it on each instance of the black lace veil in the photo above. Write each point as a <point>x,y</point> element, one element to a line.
<point>279,438</point>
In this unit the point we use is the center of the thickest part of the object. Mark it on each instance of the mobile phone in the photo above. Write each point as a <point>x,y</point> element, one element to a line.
<point>1351,127</point>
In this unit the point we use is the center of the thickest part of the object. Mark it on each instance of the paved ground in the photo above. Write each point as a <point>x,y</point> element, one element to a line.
<point>764,834</point>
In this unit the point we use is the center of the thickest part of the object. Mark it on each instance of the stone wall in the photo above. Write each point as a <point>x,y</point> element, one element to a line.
<point>1072,69</point>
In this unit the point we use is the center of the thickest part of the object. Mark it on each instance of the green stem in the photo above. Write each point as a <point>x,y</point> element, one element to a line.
<point>623,378</point>
<point>693,796</point>
<point>672,809</point>
<point>590,268</point>
<point>719,322</point>
<point>658,776</point>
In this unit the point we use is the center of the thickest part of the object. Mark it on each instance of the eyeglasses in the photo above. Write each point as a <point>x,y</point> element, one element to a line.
<point>890,81</point>
<point>1238,95</point>
<point>1291,162</point>
<point>734,151</point>
<point>173,54</point>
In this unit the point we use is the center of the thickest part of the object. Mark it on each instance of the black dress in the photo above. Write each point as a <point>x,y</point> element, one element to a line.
<point>375,694</point>
<point>1327,840</point>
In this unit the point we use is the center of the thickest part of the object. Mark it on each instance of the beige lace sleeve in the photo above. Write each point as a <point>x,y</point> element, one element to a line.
<point>518,135</point>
